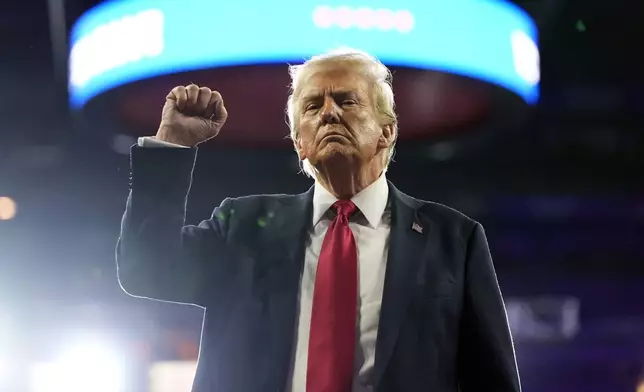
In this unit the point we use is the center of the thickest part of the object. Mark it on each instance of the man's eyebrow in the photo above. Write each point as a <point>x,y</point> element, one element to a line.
<point>344,94</point>
<point>310,96</point>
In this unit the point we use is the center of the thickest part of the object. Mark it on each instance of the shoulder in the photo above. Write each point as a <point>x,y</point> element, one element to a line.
<point>444,213</point>
<point>261,218</point>
<point>433,210</point>
<point>254,205</point>
<point>263,200</point>
<point>446,220</point>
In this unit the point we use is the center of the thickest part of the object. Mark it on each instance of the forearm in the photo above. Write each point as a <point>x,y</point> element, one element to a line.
<point>150,252</point>
<point>153,256</point>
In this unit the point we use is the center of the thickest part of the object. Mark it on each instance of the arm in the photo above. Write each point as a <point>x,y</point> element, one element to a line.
<point>486,360</point>
<point>157,255</point>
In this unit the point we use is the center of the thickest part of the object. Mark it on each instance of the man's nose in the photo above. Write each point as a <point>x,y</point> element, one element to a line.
<point>329,112</point>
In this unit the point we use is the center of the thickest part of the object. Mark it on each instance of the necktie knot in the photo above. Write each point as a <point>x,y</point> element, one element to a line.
<point>345,208</point>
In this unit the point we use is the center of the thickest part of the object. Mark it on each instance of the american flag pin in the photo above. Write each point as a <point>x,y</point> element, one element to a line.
<point>416,227</point>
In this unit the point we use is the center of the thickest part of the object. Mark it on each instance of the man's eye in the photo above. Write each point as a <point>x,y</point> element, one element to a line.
<point>349,102</point>
<point>311,107</point>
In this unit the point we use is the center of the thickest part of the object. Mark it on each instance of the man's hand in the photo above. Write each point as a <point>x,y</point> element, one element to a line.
<point>191,115</point>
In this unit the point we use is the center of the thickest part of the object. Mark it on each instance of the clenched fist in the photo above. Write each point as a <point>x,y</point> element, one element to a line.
<point>191,115</point>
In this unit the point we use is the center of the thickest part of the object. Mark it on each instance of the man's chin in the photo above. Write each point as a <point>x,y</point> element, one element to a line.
<point>336,153</point>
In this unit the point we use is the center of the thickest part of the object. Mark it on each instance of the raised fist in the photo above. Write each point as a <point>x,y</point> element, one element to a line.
<point>191,115</point>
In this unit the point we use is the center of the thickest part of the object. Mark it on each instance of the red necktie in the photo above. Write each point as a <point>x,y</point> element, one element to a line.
<point>333,318</point>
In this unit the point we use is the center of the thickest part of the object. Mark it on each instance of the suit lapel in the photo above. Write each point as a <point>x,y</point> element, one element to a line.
<point>410,231</point>
<point>284,245</point>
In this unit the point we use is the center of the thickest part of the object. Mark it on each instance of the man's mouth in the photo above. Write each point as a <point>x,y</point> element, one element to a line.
<point>334,134</point>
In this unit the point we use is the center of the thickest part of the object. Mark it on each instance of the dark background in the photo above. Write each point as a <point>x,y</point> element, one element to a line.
<point>560,197</point>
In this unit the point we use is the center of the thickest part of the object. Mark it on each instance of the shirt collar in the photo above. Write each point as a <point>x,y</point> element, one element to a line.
<point>371,201</point>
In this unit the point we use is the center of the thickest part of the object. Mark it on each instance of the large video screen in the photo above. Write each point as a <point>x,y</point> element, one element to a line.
<point>122,41</point>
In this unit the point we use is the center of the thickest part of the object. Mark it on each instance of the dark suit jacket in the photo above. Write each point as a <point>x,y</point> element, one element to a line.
<point>442,326</point>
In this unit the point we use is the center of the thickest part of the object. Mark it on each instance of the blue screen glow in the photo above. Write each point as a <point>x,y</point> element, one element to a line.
<point>122,41</point>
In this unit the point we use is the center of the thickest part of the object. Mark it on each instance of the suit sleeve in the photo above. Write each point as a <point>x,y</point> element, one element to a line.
<point>157,255</point>
<point>486,359</point>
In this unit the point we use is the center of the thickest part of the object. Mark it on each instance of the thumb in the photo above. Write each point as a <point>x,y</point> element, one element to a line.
<point>177,99</point>
<point>170,106</point>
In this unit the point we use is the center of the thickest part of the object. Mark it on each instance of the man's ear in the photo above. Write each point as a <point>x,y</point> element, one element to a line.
<point>387,136</point>
<point>301,154</point>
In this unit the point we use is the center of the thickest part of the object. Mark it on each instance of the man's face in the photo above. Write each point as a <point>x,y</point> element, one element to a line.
<point>336,118</point>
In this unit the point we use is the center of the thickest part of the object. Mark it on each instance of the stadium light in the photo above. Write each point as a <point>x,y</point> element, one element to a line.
<point>88,366</point>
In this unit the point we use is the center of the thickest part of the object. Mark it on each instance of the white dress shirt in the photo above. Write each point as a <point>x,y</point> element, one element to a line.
<point>371,227</point>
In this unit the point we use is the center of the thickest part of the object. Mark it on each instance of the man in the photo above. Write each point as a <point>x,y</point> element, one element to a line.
<point>350,286</point>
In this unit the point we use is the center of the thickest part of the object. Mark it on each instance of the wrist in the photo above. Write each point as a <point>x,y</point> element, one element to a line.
<point>168,137</point>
